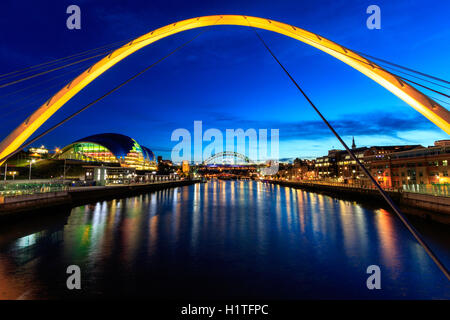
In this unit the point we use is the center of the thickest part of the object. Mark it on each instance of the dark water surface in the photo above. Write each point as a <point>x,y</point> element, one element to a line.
<point>234,239</point>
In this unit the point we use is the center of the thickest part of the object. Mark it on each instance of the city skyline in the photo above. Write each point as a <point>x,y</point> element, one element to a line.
<point>234,83</point>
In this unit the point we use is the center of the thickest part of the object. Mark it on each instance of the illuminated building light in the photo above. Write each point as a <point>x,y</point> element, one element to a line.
<point>110,148</point>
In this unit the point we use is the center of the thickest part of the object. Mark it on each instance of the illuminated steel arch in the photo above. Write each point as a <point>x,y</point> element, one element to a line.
<point>226,154</point>
<point>419,101</point>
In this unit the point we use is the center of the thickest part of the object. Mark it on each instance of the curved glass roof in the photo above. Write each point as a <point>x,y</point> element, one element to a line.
<point>148,154</point>
<point>120,145</point>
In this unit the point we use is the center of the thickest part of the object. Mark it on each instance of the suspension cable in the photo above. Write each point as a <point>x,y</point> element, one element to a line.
<point>51,70</point>
<point>105,53</point>
<point>101,97</point>
<point>437,99</point>
<point>40,90</point>
<point>368,62</point>
<point>121,42</point>
<point>423,86</point>
<point>386,196</point>
<point>41,82</point>
<point>69,64</point>
<point>402,67</point>
<point>416,77</point>
<point>44,64</point>
<point>34,100</point>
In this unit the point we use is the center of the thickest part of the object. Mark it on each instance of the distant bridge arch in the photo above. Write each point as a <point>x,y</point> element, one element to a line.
<point>225,154</point>
<point>419,101</point>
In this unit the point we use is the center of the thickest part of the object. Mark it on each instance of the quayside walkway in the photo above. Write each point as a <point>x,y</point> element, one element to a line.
<point>46,198</point>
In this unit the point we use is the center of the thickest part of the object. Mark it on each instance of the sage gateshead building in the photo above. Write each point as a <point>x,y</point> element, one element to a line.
<point>109,149</point>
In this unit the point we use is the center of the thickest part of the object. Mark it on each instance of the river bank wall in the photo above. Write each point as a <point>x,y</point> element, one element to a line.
<point>18,206</point>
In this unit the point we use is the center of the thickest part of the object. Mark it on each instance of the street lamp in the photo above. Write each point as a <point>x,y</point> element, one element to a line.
<point>29,174</point>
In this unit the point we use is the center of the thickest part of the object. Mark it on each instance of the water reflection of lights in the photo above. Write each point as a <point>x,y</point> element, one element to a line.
<point>176,217</point>
<point>287,195</point>
<point>85,236</point>
<point>223,193</point>
<point>359,220</point>
<point>278,207</point>
<point>271,222</point>
<point>320,202</point>
<point>233,187</point>
<point>26,241</point>
<point>196,213</point>
<point>153,235</point>
<point>131,234</point>
<point>301,209</point>
<point>387,240</point>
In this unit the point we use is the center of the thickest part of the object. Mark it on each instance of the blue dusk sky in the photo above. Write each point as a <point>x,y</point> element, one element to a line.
<point>225,77</point>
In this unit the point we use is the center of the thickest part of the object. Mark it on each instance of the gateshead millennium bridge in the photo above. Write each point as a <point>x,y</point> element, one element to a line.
<point>422,103</point>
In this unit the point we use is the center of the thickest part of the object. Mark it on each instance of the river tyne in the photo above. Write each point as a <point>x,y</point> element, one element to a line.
<point>222,240</point>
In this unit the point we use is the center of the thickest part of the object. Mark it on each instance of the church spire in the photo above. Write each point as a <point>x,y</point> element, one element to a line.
<point>353,143</point>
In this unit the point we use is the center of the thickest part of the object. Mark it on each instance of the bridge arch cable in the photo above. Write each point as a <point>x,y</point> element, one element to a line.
<point>114,45</point>
<point>393,72</point>
<point>383,193</point>
<point>32,76</point>
<point>416,77</point>
<point>59,67</point>
<point>402,67</point>
<point>26,144</point>
<point>437,99</point>
<point>404,78</point>
<point>368,62</point>
<point>18,106</point>
<point>423,86</point>
<point>62,59</point>
<point>37,84</point>
<point>36,97</point>
<point>84,64</point>
<point>56,64</point>
<point>39,87</point>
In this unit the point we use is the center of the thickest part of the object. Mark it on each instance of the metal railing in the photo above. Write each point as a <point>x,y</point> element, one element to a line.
<point>442,190</point>
<point>337,184</point>
<point>17,189</point>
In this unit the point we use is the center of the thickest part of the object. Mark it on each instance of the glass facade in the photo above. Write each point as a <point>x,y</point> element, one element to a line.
<point>88,152</point>
<point>115,149</point>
